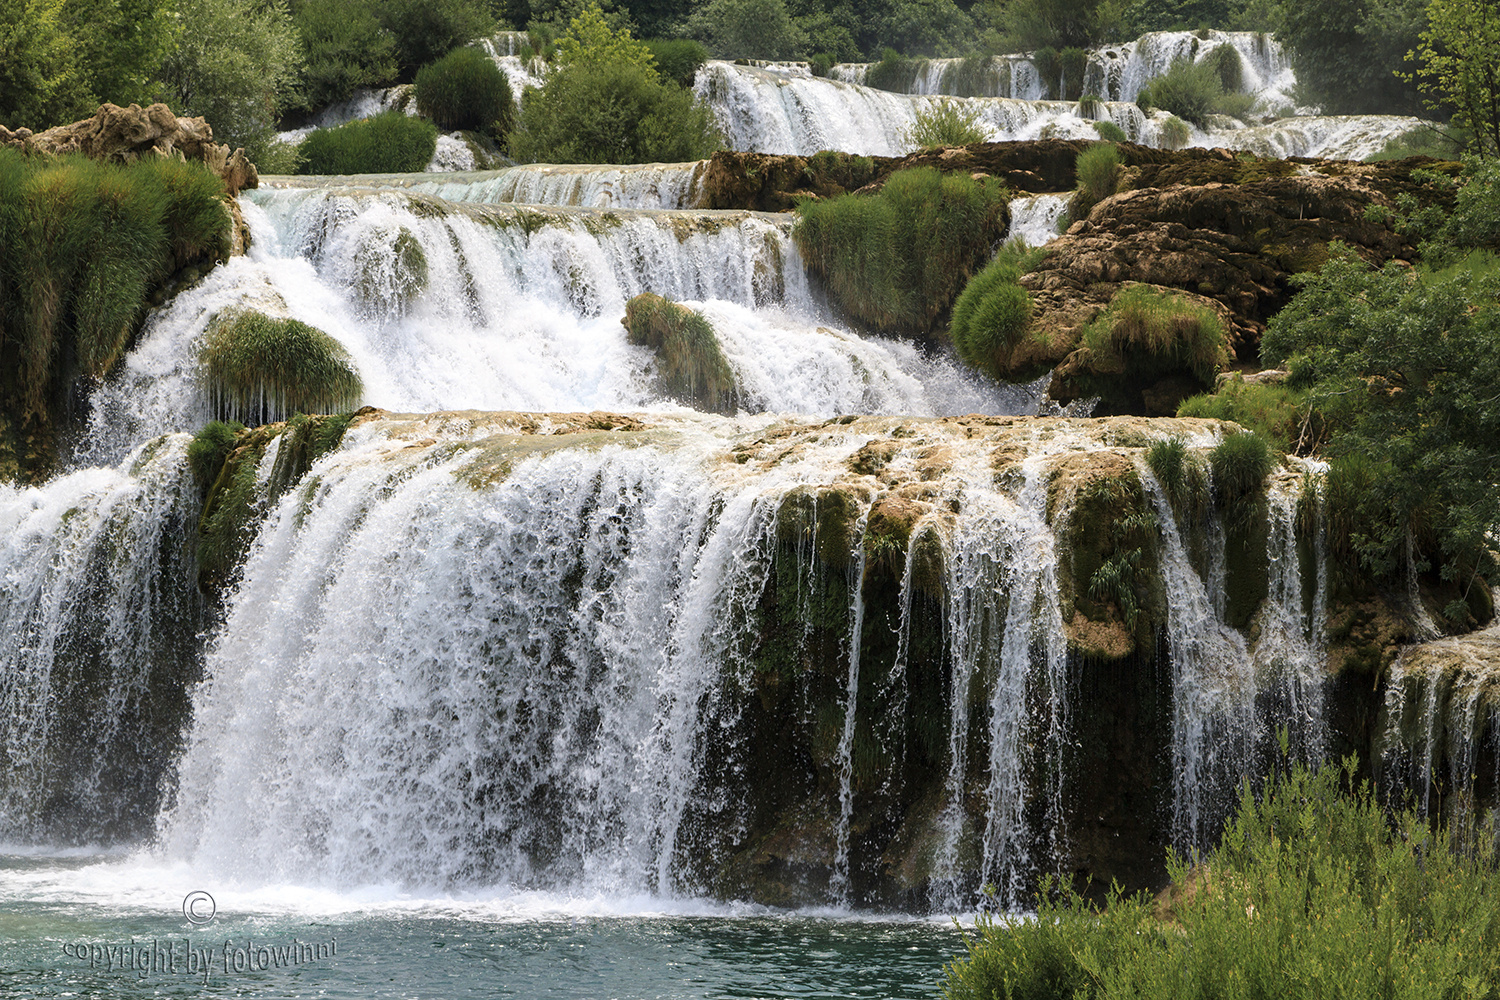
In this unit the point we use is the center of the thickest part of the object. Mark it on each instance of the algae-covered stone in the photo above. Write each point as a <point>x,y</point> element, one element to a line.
<point>261,368</point>
<point>691,365</point>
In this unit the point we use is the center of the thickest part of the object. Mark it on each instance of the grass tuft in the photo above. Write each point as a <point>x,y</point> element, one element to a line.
<point>261,369</point>
<point>388,143</point>
<point>691,365</point>
<point>993,314</point>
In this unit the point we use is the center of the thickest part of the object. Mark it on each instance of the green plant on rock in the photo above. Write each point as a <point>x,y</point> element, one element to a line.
<point>1194,90</point>
<point>897,259</point>
<point>945,122</point>
<point>1240,464</point>
<point>691,365</point>
<point>1110,132</point>
<point>388,276</point>
<point>1071,64</point>
<point>1182,477</point>
<point>1175,133</point>
<point>1144,336</point>
<point>388,143</point>
<point>210,447</point>
<point>993,314</point>
<point>1098,170</point>
<point>259,368</point>
<point>894,72</point>
<point>1089,106</point>
<point>679,59</point>
<point>465,90</point>
<point>1281,414</point>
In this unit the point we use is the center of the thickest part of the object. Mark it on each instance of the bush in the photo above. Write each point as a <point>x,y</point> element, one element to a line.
<point>894,72</point>
<point>1175,133</point>
<point>465,90</point>
<point>1310,879</point>
<point>1240,465</point>
<point>1048,69</point>
<point>690,364</point>
<point>388,143</point>
<point>426,30</point>
<point>993,314</point>
<point>1110,132</point>
<point>1228,66</point>
<point>1089,106</point>
<point>1194,90</point>
<point>1182,478</point>
<point>83,247</point>
<point>747,29</point>
<point>1277,412</point>
<point>1098,172</point>
<point>821,64</point>
<point>612,113</point>
<point>1071,65</point>
<point>679,59</point>
<point>260,369</point>
<point>945,123</point>
<point>344,46</point>
<point>898,258</point>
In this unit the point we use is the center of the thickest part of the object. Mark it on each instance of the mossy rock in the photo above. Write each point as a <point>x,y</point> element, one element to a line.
<point>690,364</point>
<point>825,517</point>
<point>390,272</point>
<point>261,368</point>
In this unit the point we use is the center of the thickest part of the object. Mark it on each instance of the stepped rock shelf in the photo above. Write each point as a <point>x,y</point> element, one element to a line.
<point>875,660</point>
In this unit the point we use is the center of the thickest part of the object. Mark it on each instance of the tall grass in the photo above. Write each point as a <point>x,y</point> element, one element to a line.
<point>466,90</point>
<point>1098,171</point>
<point>1194,90</point>
<point>1147,327</point>
<point>691,365</point>
<point>1277,412</point>
<point>261,369</point>
<point>993,313</point>
<point>83,247</point>
<point>1314,890</point>
<point>897,259</point>
<point>945,122</point>
<point>388,143</point>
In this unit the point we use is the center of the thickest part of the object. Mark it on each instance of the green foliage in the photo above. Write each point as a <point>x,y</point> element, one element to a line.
<point>1459,68</point>
<point>821,63</point>
<point>1071,63</point>
<point>1404,368</point>
<point>1182,477</point>
<point>894,72</point>
<point>1029,25</point>
<point>1189,90</point>
<point>1089,106</point>
<point>747,29</point>
<point>897,259</point>
<point>1225,60</point>
<point>465,90</point>
<point>1345,53</point>
<point>233,64</point>
<point>924,27</point>
<point>691,365</point>
<point>1147,334</point>
<point>591,41</point>
<point>1421,141</point>
<point>83,247</point>
<point>209,448</point>
<point>1313,890</point>
<point>261,369</point>
<point>993,313</point>
<point>344,46</point>
<point>612,113</point>
<point>1110,132</point>
<point>946,122</point>
<point>1175,133</point>
<point>1098,171</point>
<point>388,143</point>
<point>679,59</point>
<point>425,30</point>
<point>1277,412</point>
<point>1240,465</point>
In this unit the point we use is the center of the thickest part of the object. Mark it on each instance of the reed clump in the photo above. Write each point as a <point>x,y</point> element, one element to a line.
<point>897,259</point>
<point>690,364</point>
<point>387,143</point>
<point>261,368</point>
<point>993,314</point>
<point>1145,335</point>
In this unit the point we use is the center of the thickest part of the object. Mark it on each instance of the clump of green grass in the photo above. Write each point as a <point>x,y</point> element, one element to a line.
<point>691,365</point>
<point>1110,132</point>
<point>1098,170</point>
<point>84,246</point>
<point>260,369</point>
<point>945,122</point>
<point>1277,412</point>
<point>1315,889</point>
<point>209,448</point>
<point>993,314</point>
<point>1145,335</point>
<point>1175,133</point>
<point>388,143</point>
<point>1194,90</point>
<point>1240,465</point>
<point>1089,106</point>
<point>1181,476</point>
<point>465,90</point>
<point>898,258</point>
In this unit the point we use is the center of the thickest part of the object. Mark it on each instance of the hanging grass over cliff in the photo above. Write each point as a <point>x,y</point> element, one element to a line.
<point>690,364</point>
<point>261,369</point>
<point>83,247</point>
<point>897,259</point>
<point>1314,891</point>
<point>993,313</point>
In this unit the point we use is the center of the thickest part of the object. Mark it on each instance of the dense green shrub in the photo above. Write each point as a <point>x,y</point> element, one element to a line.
<point>1279,413</point>
<point>1110,132</point>
<point>820,63</point>
<point>993,313</point>
<point>612,113</point>
<point>1240,464</point>
<point>83,247</point>
<point>260,369</point>
<point>465,90</point>
<point>898,258</point>
<point>1049,69</point>
<point>425,30</point>
<point>344,46</point>
<point>1145,336</point>
<point>1175,133</point>
<point>976,75</point>
<point>388,143</point>
<point>1344,52</point>
<point>894,72</point>
<point>679,59</point>
<point>1071,64</point>
<point>690,364</point>
<point>1230,68</point>
<point>1188,90</point>
<point>946,122</point>
<point>1089,106</point>
<point>1098,172</point>
<point>1314,890</point>
<point>747,29</point>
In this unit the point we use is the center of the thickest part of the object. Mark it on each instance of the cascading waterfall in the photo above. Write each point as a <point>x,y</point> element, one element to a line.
<point>98,645</point>
<point>519,308</point>
<point>1034,218</point>
<point>1119,72</point>
<point>638,185</point>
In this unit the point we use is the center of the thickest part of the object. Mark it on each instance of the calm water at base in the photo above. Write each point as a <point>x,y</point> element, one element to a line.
<point>64,933</point>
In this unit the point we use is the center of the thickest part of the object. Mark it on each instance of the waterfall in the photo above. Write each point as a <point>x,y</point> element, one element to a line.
<point>636,185</point>
<point>519,308</point>
<point>98,645</point>
<point>1119,72</point>
<point>1034,218</point>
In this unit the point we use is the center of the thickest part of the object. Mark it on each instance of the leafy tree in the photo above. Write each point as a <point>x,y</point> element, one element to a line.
<point>924,27</point>
<point>343,46</point>
<point>232,65</point>
<point>1035,24</point>
<point>748,29</point>
<point>1347,52</point>
<point>40,83</point>
<point>427,29</point>
<point>1460,68</point>
<point>592,41</point>
<point>119,44</point>
<point>1166,15</point>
